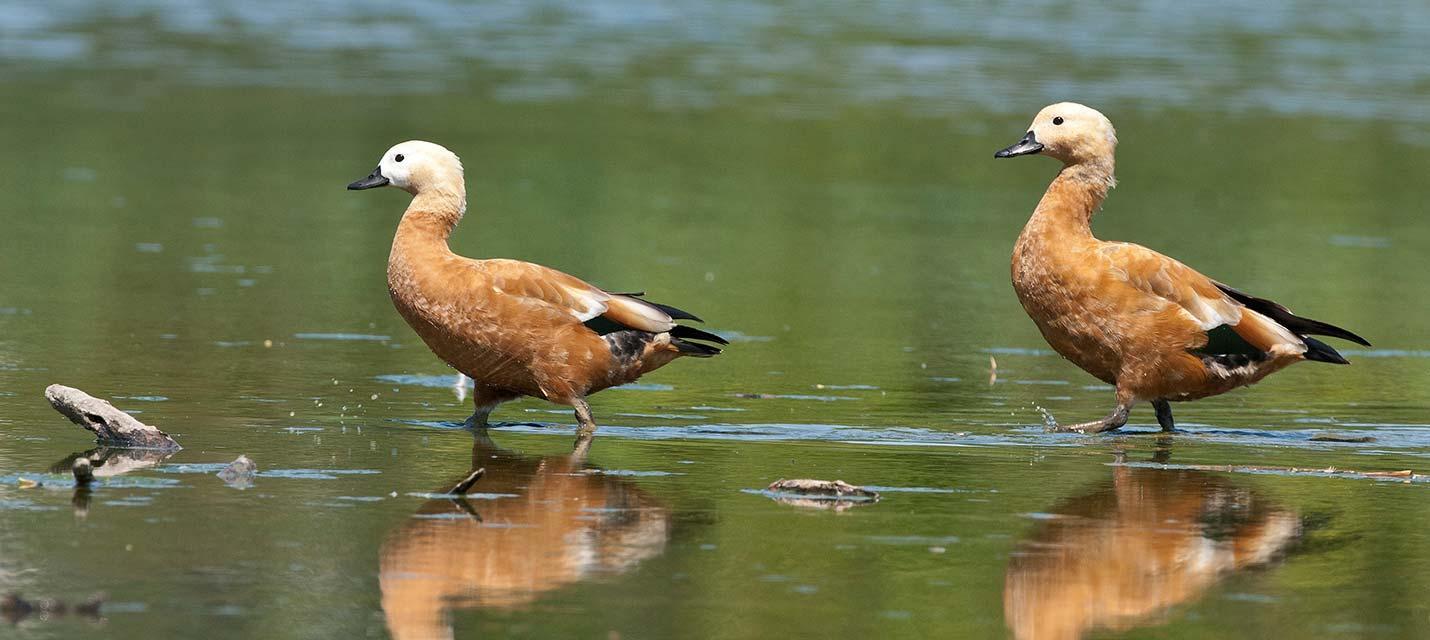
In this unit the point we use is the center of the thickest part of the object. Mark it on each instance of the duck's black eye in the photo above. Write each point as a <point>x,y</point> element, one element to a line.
<point>399,157</point>
<point>1056,120</point>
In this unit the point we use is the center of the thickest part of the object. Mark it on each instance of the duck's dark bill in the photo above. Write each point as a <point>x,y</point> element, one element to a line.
<point>1029,144</point>
<point>374,179</point>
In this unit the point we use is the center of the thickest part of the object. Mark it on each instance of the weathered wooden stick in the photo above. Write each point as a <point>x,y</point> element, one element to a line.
<point>109,425</point>
<point>465,485</point>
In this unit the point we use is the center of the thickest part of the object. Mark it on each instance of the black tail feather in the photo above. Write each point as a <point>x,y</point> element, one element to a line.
<point>1298,325</point>
<point>695,348</point>
<point>691,333</point>
<point>673,312</point>
<point>1322,352</point>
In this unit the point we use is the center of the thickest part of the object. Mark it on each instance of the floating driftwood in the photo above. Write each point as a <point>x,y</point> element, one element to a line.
<point>819,494</point>
<point>110,425</point>
<point>461,488</point>
<point>833,489</point>
<point>1337,437</point>
<point>240,472</point>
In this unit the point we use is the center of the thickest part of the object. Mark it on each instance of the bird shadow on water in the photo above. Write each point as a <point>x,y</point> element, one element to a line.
<point>543,523</point>
<point>1127,550</point>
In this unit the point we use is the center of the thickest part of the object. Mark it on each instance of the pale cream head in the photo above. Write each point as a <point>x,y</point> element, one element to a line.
<point>416,166</point>
<point>1070,132</point>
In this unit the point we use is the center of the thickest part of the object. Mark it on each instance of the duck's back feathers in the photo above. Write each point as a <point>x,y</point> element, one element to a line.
<point>1239,326</point>
<point>1157,275</point>
<point>553,290</point>
<point>618,317</point>
<point>544,288</point>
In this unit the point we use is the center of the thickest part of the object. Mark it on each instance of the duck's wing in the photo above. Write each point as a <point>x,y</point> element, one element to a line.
<point>566,296</point>
<point>1304,328</point>
<point>1231,326</point>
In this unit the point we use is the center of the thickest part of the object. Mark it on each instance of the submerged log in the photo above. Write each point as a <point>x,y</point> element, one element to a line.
<point>110,425</point>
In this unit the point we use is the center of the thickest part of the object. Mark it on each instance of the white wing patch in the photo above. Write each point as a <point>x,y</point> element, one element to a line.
<point>1212,314</point>
<point>592,303</point>
<point>1290,343</point>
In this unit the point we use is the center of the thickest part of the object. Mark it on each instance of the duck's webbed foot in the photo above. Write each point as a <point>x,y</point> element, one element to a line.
<point>1164,414</point>
<point>1114,420</point>
<point>585,429</point>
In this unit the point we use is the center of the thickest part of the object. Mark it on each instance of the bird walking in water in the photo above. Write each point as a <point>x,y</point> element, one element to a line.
<point>1152,327</point>
<point>515,328</point>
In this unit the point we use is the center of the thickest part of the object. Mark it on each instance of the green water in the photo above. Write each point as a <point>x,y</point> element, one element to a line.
<point>820,188</point>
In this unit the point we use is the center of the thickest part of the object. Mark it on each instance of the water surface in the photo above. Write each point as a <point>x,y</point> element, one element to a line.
<point>817,183</point>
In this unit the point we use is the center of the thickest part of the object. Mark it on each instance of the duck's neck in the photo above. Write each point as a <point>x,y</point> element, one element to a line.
<point>1074,196</point>
<point>420,243</point>
<point>432,216</point>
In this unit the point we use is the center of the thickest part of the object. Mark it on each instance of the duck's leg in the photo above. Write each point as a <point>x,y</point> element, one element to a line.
<point>1164,414</point>
<point>1114,420</point>
<point>585,429</point>
<point>1125,399</point>
<point>485,400</point>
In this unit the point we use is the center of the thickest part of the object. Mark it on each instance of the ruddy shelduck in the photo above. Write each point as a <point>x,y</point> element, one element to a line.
<point>1152,327</point>
<point>515,328</point>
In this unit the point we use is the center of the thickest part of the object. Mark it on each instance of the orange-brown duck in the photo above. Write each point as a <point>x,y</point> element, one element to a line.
<point>1151,326</point>
<point>515,328</point>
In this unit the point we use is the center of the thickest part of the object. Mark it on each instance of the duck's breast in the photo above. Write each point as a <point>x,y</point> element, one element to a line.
<point>1064,301</point>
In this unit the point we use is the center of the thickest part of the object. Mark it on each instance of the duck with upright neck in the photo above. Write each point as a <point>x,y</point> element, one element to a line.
<point>1152,327</point>
<point>515,328</point>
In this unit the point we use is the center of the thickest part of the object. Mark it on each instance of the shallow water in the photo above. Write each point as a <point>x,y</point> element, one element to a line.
<point>817,184</point>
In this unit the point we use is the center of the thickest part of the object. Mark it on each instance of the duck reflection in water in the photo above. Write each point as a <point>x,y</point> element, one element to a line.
<point>562,527</point>
<point>1124,554</point>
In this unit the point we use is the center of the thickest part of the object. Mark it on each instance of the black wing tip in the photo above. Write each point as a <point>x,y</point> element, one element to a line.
<point>691,333</point>
<point>1283,316</point>
<point>695,348</point>
<point>1319,328</point>
<point>1355,338</point>
<point>674,313</point>
<point>1317,351</point>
